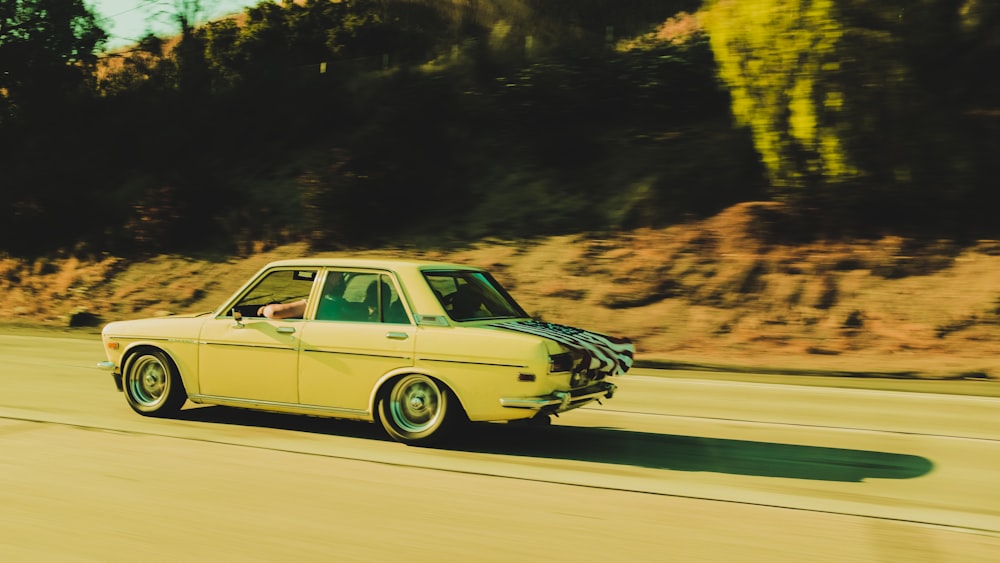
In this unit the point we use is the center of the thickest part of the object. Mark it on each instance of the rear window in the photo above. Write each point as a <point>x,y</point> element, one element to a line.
<point>468,295</point>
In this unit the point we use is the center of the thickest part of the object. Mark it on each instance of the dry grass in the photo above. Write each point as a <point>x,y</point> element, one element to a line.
<point>707,291</point>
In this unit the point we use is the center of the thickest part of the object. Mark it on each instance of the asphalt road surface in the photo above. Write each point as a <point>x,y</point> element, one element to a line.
<point>672,469</point>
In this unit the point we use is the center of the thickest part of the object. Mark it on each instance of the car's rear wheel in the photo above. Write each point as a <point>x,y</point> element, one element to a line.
<point>152,384</point>
<point>416,409</point>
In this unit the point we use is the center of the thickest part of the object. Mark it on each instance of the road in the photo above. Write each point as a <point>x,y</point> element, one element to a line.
<point>672,469</point>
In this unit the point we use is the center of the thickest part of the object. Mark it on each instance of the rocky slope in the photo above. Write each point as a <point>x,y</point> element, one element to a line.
<point>714,291</point>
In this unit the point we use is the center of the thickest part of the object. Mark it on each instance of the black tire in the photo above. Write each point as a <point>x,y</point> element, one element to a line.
<point>152,384</point>
<point>417,410</point>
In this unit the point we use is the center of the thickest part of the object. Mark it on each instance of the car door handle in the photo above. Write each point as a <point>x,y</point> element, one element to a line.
<point>397,335</point>
<point>286,330</point>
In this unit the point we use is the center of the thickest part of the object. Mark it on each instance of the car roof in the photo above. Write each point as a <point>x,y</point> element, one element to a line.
<point>396,264</point>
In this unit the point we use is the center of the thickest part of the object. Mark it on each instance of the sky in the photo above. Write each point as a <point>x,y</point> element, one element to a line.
<point>128,20</point>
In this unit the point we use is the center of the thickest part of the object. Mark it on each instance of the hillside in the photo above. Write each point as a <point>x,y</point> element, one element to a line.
<point>722,290</point>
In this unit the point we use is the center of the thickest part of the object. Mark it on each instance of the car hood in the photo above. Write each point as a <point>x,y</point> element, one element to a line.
<point>173,326</point>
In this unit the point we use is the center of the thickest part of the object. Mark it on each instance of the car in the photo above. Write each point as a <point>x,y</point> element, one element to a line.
<point>421,347</point>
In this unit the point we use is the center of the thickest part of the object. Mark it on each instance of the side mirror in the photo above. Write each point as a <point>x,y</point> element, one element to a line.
<point>238,318</point>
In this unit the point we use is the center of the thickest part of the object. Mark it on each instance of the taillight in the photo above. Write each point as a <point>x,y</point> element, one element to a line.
<point>560,362</point>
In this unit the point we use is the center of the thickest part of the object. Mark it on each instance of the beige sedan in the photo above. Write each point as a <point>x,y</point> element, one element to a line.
<point>419,346</point>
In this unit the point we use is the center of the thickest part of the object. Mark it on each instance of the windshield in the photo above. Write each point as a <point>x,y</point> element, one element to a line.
<point>472,295</point>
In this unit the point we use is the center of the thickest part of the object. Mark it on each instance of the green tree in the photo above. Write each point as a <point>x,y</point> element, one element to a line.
<point>138,69</point>
<point>47,53</point>
<point>193,74</point>
<point>891,100</point>
<point>779,58</point>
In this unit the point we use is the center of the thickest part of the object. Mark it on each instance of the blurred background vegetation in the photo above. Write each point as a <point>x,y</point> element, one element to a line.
<point>367,122</point>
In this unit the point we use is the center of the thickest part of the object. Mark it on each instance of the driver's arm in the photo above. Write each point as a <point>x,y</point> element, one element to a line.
<point>283,310</point>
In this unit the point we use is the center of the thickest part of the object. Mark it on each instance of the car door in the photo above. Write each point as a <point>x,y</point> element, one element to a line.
<point>344,353</point>
<point>256,359</point>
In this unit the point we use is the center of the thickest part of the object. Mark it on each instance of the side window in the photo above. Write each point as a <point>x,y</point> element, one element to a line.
<point>360,297</point>
<point>280,286</point>
<point>389,305</point>
<point>343,297</point>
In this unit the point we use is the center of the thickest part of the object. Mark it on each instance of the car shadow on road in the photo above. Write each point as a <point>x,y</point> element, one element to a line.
<point>693,453</point>
<point>618,447</point>
<point>217,414</point>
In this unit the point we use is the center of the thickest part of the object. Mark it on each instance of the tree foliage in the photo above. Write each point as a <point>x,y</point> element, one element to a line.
<point>47,53</point>
<point>373,120</point>
<point>886,103</point>
<point>780,60</point>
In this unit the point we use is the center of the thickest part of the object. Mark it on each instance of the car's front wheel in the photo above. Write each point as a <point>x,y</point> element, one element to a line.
<point>416,409</point>
<point>152,384</point>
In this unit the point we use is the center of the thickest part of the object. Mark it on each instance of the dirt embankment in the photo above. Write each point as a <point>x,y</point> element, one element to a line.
<point>714,291</point>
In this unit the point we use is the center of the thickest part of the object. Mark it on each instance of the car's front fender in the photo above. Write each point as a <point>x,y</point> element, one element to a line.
<point>175,336</point>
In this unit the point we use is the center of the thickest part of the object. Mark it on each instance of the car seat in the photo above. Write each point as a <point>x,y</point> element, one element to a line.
<point>465,303</point>
<point>392,309</point>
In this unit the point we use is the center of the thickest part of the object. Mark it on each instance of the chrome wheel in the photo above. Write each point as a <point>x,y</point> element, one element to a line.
<point>416,404</point>
<point>415,409</point>
<point>152,385</point>
<point>150,381</point>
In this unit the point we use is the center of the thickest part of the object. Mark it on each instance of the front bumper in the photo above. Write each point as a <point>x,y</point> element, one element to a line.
<point>115,373</point>
<point>561,401</point>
